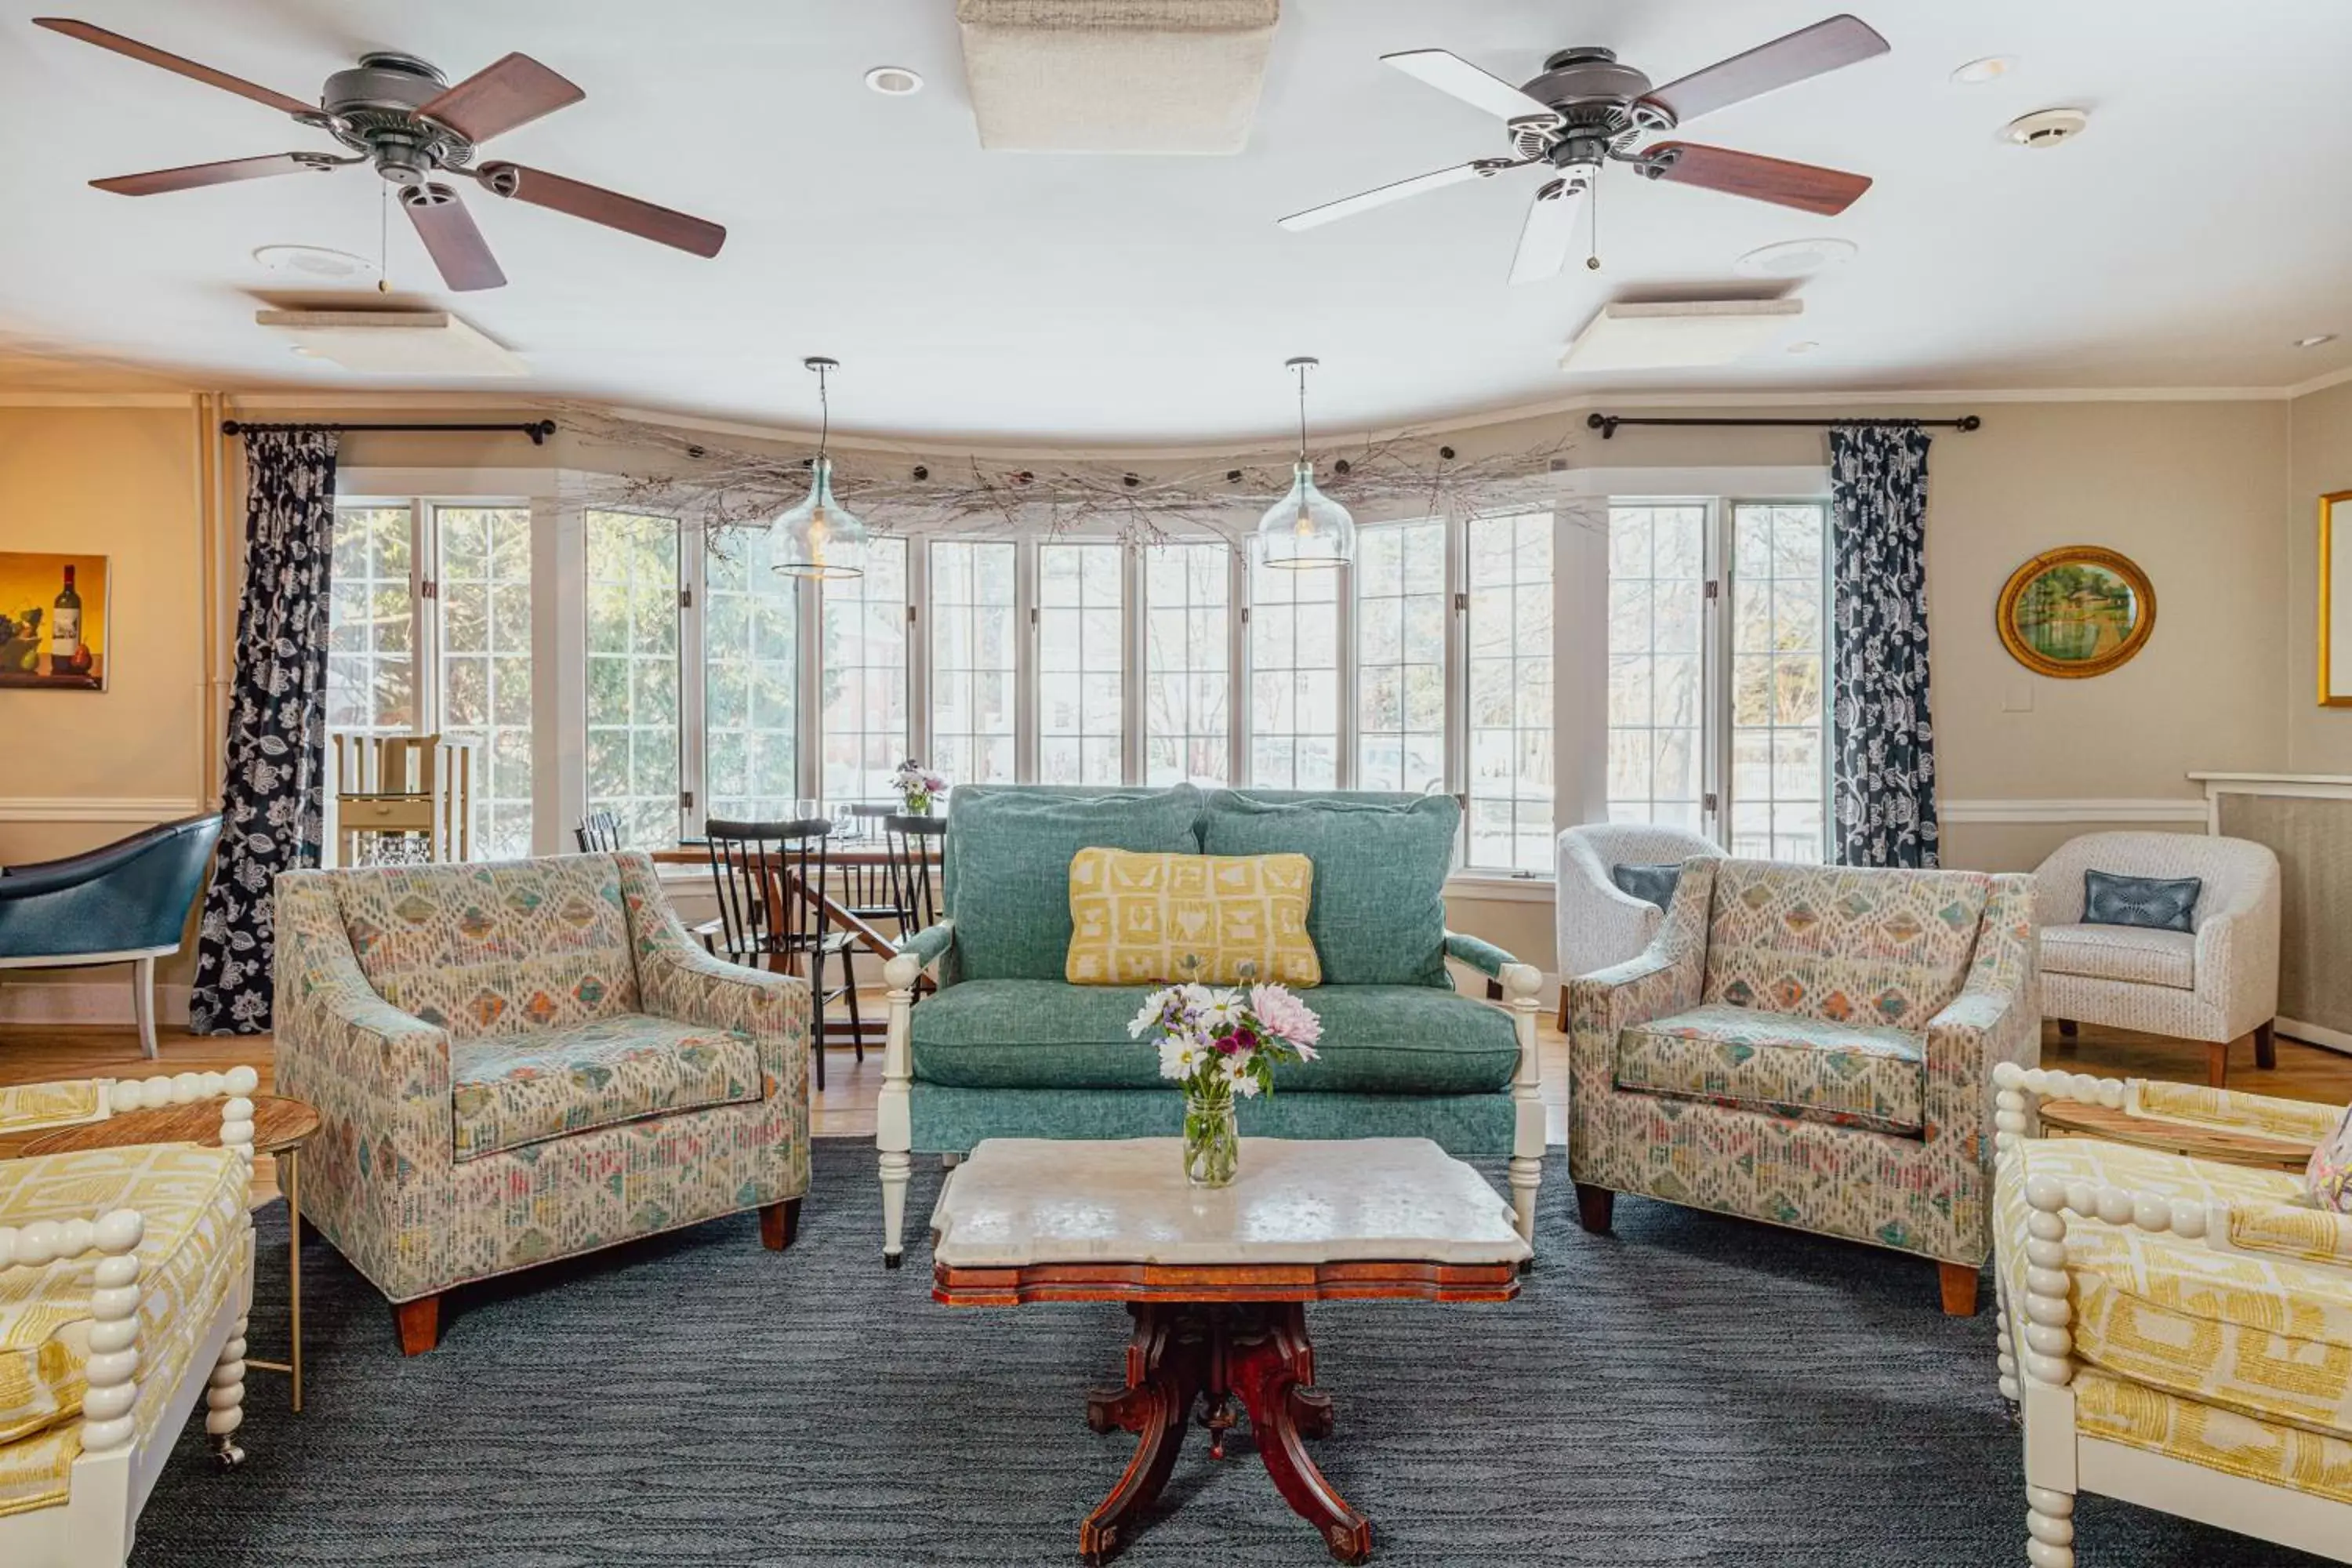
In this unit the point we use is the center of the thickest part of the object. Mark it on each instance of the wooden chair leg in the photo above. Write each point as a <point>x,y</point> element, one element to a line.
<point>857,1020</point>
<point>816,1017</point>
<point>1957,1282</point>
<point>2065,1028</point>
<point>779,1223</point>
<point>2266,1044</point>
<point>1595,1208</point>
<point>419,1325</point>
<point>1563,1006</point>
<point>2217,1064</point>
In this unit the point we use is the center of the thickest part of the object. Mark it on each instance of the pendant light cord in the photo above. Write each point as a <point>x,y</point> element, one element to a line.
<point>824,412</point>
<point>1302,413</point>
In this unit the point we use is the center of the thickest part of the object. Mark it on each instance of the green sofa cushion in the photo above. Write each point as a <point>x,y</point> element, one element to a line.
<point>952,1120</point>
<point>1005,875</point>
<point>1380,861</point>
<point>1046,1035</point>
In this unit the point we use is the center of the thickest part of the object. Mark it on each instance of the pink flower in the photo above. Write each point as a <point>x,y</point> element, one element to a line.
<point>1280,1013</point>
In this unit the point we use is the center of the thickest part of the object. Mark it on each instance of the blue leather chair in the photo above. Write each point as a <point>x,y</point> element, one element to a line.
<point>127,902</point>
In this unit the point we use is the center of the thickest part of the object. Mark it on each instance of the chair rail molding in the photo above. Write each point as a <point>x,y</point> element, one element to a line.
<point>150,809</point>
<point>2159,808</point>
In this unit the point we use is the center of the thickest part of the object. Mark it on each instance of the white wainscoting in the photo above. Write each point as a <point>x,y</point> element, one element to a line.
<point>149,810</point>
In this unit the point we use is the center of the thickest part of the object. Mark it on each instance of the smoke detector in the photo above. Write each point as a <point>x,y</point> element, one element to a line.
<point>2046,127</point>
<point>1794,258</point>
<point>894,81</point>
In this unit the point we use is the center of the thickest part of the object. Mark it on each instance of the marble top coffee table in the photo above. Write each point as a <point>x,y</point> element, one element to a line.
<point>1218,1282</point>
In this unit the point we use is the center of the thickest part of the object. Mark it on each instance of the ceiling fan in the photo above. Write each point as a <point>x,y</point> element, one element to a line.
<point>401,114</point>
<point>1587,110</point>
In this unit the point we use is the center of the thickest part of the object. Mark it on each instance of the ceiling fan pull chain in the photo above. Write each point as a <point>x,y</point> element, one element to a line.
<point>1592,224</point>
<point>384,240</point>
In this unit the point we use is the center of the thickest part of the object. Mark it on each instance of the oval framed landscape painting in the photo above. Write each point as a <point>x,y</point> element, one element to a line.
<point>2075,612</point>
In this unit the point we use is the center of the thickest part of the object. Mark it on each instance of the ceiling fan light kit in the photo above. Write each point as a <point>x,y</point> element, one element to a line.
<point>1587,110</point>
<point>1677,335</point>
<point>399,114</point>
<point>1306,529</point>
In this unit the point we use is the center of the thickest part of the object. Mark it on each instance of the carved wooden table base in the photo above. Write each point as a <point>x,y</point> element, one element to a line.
<point>1189,1357</point>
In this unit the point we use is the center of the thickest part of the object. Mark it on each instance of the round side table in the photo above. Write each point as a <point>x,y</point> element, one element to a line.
<point>280,1128</point>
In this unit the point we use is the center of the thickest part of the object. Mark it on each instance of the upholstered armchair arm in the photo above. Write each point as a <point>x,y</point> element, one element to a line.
<point>930,944</point>
<point>1594,914</point>
<point>2237,962</point>
<point>1995,1019</point>
<point>677,978</point>
<point>1477,952</point>
<point>1668,977</point>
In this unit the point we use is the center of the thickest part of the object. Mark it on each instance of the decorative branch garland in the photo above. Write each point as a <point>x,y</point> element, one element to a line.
<point>719,486</point>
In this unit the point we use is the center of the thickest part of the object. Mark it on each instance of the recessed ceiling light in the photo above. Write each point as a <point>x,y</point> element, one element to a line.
<point>893,81</point>
<point>1804,346</point>
<point>2314,341</point>
<point>313,261</point>
<point>2046,127</point>
<point>1794,258</point>
<point>1992,67</point>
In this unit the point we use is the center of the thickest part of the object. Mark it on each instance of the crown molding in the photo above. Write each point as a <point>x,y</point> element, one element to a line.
<point>2321,383</point>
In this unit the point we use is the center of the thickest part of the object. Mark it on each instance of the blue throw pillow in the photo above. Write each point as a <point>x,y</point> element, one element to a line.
<point>1650,884</point>
<point>2155,902</point>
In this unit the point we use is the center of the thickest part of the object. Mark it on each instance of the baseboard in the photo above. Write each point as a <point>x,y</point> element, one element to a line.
<point>103,1003</point>
<point>2314,1035</point>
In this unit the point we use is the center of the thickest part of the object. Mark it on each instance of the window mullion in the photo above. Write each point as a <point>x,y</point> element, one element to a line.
<point>1715,683</point>
<point>1025,700</point>
<point>915,624</point>
<point>1134,617</point>
<point>693,664</point>
<point>1238,727</point>
<point>808,675</point>
<point>1347,734</point>
<point>424,607</point>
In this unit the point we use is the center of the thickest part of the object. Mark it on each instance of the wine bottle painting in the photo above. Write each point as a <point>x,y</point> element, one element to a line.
<point>53,622</point>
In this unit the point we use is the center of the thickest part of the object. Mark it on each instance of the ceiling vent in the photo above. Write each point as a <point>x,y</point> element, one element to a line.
<point>1116,75</point>
<point>1674,336</point>
<point>393,343</point>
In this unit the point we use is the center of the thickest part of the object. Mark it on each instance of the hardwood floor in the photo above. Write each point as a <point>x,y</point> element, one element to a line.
<point>845,1107</point>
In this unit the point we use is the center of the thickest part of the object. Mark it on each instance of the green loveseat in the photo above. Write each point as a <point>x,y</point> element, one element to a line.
<point>1007,1048</point>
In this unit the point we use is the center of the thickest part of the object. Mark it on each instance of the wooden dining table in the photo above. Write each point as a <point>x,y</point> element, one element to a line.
<point>860,852</point>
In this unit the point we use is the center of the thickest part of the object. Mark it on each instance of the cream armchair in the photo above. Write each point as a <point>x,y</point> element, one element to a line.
<point>1598,922</point>
<point>2174,1332</point>
<point>2218,983</point>
<point>125,1278</point>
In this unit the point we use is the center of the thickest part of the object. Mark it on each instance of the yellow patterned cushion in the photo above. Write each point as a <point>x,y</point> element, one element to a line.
<point>2258,1333</point>
<point>1219,919</point>
<point>194,1203</point>
<point>2208,1435</point>
<point>30,1107</point>
<point>2304,1121</point>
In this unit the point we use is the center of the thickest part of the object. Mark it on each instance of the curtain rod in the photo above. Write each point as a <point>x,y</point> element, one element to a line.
<point>1607,423</point>
<point>538,430</point>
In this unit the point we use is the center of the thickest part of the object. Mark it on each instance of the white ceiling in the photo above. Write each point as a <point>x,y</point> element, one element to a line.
<point>2196,229</point>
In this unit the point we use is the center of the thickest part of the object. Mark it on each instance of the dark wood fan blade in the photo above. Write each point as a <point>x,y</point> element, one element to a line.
<point>1807,52</point>
<point>514,91</point>
<point>1807,185</point>
<point>188,178</point>
<point>610,208</point>
<point>173,63</point>
<point>448,230</point>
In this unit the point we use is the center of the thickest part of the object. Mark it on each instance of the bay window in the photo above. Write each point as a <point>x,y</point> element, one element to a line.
<point>1293,684</point>
<point>1081,663</point>
<point>1187,664</point>
<point>634,724</point>
<point>975,661</point>
<point>865,677</point>
<point>750,680</point>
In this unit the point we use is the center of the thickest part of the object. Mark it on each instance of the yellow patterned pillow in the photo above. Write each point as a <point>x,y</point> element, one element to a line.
<point>1220,920</point>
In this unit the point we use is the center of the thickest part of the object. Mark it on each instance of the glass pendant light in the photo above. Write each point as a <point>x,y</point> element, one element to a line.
<point>820,537</point>
<point>1305,528</point>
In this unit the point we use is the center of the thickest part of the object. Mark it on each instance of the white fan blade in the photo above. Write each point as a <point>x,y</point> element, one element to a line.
<point>1349,206</point>
<point>1550,230</point>
<point>1449,72</point>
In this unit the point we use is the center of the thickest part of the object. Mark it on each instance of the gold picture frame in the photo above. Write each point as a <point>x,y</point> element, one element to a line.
<point>2335,652</point>
<point>2075,612</point>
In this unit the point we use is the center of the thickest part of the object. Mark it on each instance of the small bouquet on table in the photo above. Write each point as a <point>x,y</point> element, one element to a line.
<point>918,786</point>
<point>1221,1044</point>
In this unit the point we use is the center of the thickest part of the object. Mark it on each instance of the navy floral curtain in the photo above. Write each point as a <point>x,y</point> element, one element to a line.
<point>1883,771</point>
<point>275,768</point>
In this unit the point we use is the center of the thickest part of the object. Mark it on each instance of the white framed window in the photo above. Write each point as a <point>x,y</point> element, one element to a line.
<point>1187,664</point>
<point>1081,615</point>
<point>1507,693</point>
<point>1718,671</point>
<point>750,680</point>
<point>482,591</point>
<point>1294,676</point>
<point>371,620</point>
<point>1779,713</point>
<point>1401,668</point>
<point>634,729</point>
<point>865,675</point>
<point>975,661</point>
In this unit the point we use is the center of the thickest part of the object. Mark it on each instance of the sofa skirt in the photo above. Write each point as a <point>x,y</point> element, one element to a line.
<point>951,1120</point>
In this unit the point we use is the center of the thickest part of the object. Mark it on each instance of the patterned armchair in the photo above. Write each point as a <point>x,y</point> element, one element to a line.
<point>125,1277</point>
<point>1598,922</point>
<point>520,1062</point>
<point>1814,1046</point>
<point>2217,984</point>
<point>2175,1332</point>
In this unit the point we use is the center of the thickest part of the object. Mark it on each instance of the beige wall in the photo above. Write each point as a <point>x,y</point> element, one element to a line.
<point>2318,739</point>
